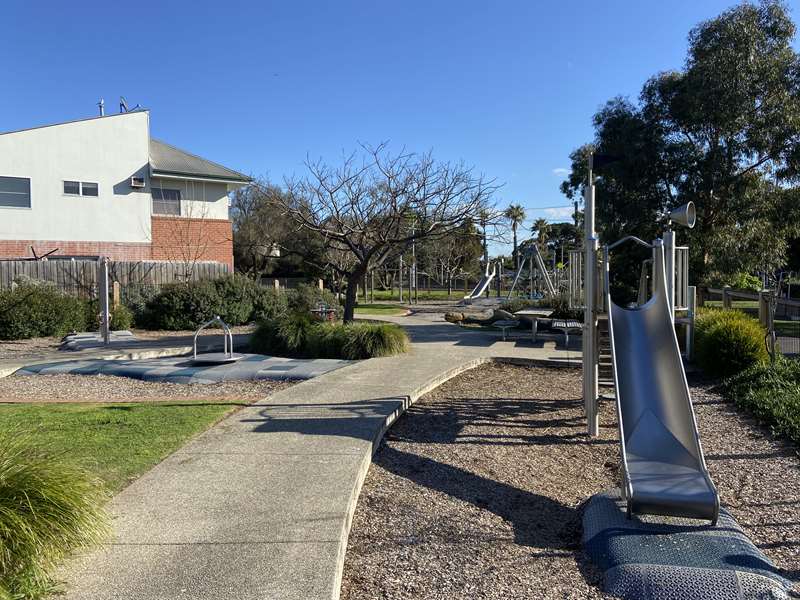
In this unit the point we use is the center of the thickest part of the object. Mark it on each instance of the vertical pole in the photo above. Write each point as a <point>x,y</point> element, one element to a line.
<point>590,361</point>
<point>105,315</point>
<point>669,267</point>
<point>400,279</point>
<point>692,306</point>
<point>372,286</point>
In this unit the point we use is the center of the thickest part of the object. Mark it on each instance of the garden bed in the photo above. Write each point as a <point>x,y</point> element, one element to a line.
<point>477,490</point>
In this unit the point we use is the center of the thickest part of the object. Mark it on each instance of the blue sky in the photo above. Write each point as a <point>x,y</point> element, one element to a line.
<point>509,87</point>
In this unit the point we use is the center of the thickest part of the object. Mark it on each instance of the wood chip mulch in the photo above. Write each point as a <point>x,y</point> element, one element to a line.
<point>108,388</point>
<point>476,491</point>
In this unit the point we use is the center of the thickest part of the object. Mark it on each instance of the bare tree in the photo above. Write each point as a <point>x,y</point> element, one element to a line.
<point>376,203</point>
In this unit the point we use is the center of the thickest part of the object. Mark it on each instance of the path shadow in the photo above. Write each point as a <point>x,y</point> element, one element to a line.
<point>537,521</point>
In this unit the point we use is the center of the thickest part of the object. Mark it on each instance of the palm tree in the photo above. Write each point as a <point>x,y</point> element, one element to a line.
<point>542,230</point>
<point>516,214</point>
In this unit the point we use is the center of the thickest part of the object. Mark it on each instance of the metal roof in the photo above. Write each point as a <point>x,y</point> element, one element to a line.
<point>166,159</point>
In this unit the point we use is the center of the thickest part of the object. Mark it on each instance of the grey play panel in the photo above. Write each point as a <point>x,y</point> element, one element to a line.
<point>181,370</point>
<point>663,558</point>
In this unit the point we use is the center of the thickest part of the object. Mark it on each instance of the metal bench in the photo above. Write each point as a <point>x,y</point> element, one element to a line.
<point>565,326</point>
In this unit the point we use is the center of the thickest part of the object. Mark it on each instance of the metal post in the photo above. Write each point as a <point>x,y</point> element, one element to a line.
<point>691,304</point>
<point>400,279</point>
<point>669,268</point>
<point>105,314</point>
<point>590,366</point>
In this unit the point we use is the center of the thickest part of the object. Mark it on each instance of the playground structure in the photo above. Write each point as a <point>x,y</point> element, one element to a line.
<point>215,358</point>
<point>484,283</point>
<point>663,467</point>
<point>532,260</point>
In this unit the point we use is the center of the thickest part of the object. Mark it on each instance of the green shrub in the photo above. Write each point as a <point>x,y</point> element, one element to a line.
<point>305,298</point>
<point>515,304</point>
<point>236,294</point>
<point>183,306</point>
<point>121,316</point>
<point>269,304</point>
<point>370,340</point>
<point>48,507</point>
<point>738,281</point>
<point>327,340</point>
<point>771,393</point>
<point>266,339</point>
<point>33,309</point>
<point>728,342</point>
<point>297,335</point>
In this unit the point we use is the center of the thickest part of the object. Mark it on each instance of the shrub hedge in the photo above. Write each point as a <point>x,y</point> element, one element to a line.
<point>728,342</point>
<point>297,335</point>
<point>236,298</point>
<point>33,309</point>
<point>771,393</point>
<point>48,508</point>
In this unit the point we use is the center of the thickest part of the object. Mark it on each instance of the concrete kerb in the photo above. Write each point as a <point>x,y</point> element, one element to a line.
<point>405,403</point>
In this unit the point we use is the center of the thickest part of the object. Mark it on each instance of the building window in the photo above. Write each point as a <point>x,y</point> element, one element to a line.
<point>89,189</point>
<point>166,202</point>
<point>80,188</point>
<point>72,188</point>
<point>15,192</point>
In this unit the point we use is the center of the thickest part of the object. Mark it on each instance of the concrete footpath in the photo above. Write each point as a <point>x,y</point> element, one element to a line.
<point>259,506</point>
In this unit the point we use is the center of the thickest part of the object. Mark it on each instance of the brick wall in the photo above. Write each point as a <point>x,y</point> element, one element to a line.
<point>114,250</point>
<point>183,239</point>
<point>176,239</point>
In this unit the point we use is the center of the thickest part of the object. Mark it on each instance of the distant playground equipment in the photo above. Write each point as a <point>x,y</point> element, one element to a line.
<point>483,284</point>
<point>663,467</point>
<point>533,261</point>
<point>215,358</point>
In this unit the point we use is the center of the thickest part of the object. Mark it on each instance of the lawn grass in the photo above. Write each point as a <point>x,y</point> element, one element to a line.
<point>379,309</point>
<point>383,295</point>
<point>117,442</point>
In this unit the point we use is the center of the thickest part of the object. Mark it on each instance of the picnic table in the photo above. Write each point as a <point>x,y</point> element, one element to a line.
<point>534,314</point>
<point>505,325</point>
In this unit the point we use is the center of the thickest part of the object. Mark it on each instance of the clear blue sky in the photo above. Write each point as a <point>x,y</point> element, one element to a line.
<point>509,87</point>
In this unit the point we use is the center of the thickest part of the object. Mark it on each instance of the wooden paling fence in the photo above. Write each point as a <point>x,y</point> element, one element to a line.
<point>79,277</point>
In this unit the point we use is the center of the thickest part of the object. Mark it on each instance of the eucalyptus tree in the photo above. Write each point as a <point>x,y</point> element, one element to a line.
<point>724,128</point>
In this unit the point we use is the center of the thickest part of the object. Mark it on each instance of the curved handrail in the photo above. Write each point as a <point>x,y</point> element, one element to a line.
<point>227,336</point>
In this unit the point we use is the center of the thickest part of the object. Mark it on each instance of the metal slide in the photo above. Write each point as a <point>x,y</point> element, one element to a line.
<point>483,284</point>
<point>664,471</point>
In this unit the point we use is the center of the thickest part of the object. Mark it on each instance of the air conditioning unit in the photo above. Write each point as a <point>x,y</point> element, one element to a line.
<point>137,182</point>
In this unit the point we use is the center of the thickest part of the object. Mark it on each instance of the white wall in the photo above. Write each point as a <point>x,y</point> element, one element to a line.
<point>107,151</point>
<point>199,199</point>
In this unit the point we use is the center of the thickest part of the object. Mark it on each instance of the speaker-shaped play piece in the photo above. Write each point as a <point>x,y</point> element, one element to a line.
<point>684,215</point>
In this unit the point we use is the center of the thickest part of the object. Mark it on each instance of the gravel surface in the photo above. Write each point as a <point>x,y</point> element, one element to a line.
<point>18,349</point>
<point>107,388</point>
<point>476,491</point>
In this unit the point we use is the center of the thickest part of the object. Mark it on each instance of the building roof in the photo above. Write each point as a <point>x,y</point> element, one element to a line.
<point>166,159</point>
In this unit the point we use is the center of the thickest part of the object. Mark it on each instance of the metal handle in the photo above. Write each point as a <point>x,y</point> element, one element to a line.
<point>227,336</point>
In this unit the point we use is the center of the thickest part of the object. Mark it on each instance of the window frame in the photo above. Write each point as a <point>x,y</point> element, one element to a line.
<point>64,191</point>
<point>161,190</point>
<point>30,193</point>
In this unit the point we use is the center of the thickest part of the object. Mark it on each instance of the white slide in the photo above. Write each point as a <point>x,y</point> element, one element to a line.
<point>663,468</point>
<point>482,286</point>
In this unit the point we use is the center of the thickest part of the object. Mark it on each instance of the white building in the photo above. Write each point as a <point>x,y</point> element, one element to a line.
<point>103,187</point>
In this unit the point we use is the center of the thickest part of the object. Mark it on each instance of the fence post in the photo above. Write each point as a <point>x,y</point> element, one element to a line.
<point>726,296</point>
<point>763,308</point>
<point>115,294</point>
<point>320,284</point>
<point>701,295</point>
<point>276,283</point>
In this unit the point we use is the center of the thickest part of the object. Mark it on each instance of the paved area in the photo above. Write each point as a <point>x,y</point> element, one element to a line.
<point>260,506</point>
<point>122,347</point>
<point>181,369</point>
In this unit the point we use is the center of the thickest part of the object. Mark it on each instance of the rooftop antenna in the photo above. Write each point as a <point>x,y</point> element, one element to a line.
<point>102,106</point>
<point>123,104</point>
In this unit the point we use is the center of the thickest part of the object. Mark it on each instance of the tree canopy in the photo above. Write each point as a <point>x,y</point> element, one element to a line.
<point>723,132</point>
